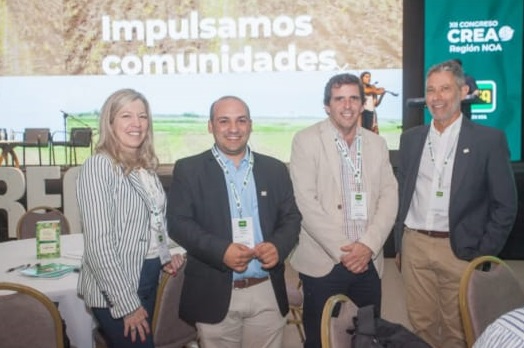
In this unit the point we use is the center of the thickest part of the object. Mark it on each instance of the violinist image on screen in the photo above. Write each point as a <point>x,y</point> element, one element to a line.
<point>373,98</point>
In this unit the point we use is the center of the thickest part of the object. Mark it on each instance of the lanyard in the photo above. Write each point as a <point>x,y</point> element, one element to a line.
<point>158,226</point>
<point>236,195</point>
<point>355,167</point>
<point>440,171</point>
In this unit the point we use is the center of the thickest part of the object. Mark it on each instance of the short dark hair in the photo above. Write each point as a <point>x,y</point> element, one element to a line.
<point>339,80</point>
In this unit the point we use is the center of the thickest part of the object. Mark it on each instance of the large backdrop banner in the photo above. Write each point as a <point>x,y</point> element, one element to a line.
<point>69,55</point>
<point>487,37</point>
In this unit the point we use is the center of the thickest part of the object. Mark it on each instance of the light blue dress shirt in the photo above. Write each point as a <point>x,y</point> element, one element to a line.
<point>249,203</point>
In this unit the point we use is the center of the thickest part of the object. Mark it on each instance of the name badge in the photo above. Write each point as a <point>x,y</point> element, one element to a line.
<point>359,206</point>
<point>441,201</point>
<point>243,231</point>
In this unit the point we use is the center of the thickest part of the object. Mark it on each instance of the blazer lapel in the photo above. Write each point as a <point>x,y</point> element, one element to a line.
<point>135,181</point>
<point>367,155</point>
<point>327,136</point>
<point>462,155</point>
<point>415,149</point>
<point>262,192</point>
<point>214,185</point>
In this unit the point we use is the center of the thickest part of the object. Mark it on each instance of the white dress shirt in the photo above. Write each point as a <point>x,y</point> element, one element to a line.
<point>429,209</point>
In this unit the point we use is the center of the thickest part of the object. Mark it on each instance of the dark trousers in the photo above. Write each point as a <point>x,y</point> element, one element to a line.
<point>363,289</point>
<point>113,329</point>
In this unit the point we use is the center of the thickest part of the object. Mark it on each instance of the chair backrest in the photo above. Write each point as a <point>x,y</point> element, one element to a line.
<point>29,318</point>
<point>295,298</point>
<point>26,227</point>
<point>337,318</point>
<point>169,331</point>
<point>81,137</point>
<point>488,289</point>
<point>37,137</point>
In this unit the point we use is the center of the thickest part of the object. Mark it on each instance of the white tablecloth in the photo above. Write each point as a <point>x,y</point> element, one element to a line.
<point>78,320</point>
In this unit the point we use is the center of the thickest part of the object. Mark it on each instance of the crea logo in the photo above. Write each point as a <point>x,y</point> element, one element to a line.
<point>506,33</point>
<point>479,32</point>
<point>478,36</point>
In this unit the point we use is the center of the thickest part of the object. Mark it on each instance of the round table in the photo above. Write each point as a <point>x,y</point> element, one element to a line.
<point>78,319</point>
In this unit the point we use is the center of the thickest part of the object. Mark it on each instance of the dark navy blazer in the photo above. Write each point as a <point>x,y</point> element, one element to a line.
<point>199,220</point>
<point>483,203</point>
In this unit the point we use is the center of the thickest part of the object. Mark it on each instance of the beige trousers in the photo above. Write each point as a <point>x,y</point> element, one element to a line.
<point>431,274</point>
<point>253,320</point>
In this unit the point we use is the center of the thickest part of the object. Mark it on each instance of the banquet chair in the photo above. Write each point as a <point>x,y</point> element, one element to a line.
<point>36,137</point>
<point>488,289</point>
<point>295,298</point>
<point>26,227</point>
<point>78,137</point>
<point>337,318</point>
<point>169,331</point>
<point>29,318</point>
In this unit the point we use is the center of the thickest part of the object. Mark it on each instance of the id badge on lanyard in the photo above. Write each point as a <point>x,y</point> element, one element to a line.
<point>359,205</point>
<point>243,232</point>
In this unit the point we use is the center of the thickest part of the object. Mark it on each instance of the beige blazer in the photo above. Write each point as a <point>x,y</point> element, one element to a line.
<point>315,172</point>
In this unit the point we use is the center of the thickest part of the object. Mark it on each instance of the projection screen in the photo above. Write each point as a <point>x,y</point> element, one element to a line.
<point>61,59</point>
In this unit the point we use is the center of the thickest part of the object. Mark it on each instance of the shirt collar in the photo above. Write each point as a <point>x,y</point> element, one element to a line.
<point>243,162</point>
<point>453,128</point>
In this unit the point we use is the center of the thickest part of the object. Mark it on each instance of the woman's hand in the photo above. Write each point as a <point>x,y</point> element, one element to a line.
<point>172,267</point>
<point>137,322</point>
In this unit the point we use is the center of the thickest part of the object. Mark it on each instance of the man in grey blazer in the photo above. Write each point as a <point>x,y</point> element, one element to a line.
<point>234,212</point>
<point>347,194</point>
<point>457,202</point>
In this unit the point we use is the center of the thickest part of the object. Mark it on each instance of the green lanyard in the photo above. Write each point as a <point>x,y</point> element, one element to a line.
<point>236,195</point>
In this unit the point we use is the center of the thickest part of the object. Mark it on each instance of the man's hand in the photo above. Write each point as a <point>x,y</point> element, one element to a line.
<point>267,254</point>
<point>356,258</point>
<point>237,257</point>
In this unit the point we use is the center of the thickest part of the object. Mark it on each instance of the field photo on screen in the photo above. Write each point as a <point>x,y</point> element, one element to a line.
<point>59,60</point>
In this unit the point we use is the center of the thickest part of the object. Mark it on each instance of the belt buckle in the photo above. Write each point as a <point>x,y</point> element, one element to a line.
<point>245,281</point>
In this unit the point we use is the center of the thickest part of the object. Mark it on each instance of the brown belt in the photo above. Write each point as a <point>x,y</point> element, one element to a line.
<point>247,282</point>
<point>434,234</point>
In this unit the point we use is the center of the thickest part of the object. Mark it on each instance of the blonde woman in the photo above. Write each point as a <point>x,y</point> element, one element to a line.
<point>122,208</point>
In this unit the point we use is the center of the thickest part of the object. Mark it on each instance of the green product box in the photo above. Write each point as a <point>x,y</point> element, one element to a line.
<point>48,239</point>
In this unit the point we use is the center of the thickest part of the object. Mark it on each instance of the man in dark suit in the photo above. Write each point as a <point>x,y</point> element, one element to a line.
<point>234,212</point>
<point>457,201</point>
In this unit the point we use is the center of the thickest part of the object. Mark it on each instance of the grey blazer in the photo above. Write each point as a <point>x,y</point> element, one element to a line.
<point>483,203</point>
<point>115,219</point>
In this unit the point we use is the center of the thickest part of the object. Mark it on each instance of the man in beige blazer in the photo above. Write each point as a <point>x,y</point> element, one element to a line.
<point>347,194</point>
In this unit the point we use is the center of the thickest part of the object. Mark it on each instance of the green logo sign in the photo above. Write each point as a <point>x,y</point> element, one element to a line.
<point>488,96</point>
